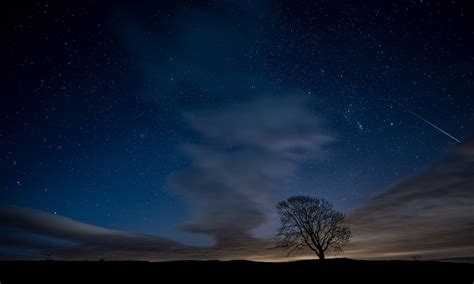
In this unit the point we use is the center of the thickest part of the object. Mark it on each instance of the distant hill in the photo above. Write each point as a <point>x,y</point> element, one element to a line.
<point>458,259</point>
<point>333,270</point>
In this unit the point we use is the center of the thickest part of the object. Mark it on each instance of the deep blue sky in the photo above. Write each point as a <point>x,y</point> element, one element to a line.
<point>97,100</point>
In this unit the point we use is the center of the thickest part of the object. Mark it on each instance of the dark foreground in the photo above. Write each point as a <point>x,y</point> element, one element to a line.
<point>335,270</point>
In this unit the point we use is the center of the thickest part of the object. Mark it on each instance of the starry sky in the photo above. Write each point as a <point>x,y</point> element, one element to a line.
<point>189,120</point>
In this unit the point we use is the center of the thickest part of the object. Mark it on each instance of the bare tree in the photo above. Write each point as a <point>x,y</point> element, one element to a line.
<point>312,223</point>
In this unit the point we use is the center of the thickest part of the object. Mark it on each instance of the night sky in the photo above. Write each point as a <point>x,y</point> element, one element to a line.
<point>190,120</point>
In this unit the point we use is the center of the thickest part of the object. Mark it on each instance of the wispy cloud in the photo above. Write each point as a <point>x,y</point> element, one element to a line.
<point>34,234</point>
<point>248,153</point>
<point>44,234</point>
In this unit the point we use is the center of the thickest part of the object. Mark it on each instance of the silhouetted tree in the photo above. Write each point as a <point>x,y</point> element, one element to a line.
<point>312,223</point>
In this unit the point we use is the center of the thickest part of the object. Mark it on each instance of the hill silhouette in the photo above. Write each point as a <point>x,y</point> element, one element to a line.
<point>335,270</point>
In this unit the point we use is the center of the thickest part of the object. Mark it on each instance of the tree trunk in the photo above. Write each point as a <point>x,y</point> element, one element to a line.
<point>321,255</point>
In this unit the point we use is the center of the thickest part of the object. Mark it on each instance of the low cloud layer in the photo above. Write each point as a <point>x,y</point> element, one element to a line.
<point>247,154</point>
<point>34,234</point>
<point>38,234</point>
<point>430,215</point>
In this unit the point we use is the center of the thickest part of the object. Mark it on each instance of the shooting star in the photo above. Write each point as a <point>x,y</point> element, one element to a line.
<point>433,125</point>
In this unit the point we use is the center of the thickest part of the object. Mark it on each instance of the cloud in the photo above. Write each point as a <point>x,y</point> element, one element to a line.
<point>428,215</point>
<point>201,53</point>
<point>34,234</point>
<point>248,153</point>
<point>48,234</point>
<point>249,149</point>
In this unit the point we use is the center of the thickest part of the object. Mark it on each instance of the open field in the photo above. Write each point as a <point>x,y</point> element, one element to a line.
<point>335,270</point>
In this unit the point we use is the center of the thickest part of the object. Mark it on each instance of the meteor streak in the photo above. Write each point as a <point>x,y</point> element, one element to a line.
<point>433,125</point>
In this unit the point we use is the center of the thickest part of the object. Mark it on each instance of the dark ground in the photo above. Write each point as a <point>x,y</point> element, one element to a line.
<point>333,270</point>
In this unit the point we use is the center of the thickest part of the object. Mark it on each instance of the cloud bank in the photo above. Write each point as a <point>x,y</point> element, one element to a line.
<point>34,234</point>
<point>430,215</point>
<point>40,234</point>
